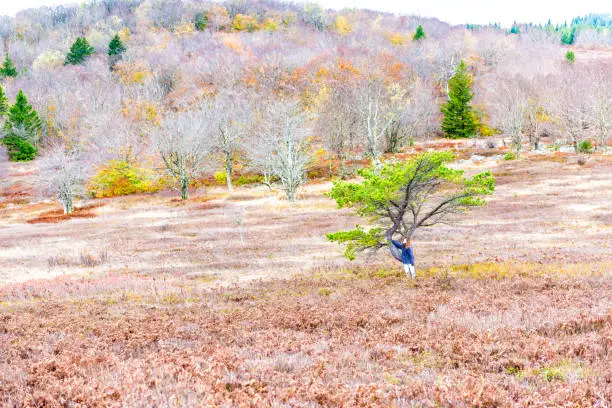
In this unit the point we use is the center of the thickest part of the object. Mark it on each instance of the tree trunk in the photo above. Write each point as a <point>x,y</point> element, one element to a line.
<point>291,196</point>
<point>184,188</point>
<point>228,170</point>
<point>67,203</point>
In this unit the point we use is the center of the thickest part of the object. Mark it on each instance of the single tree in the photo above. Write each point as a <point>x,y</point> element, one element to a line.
<point>185,143</point>
<point>233,117</point>
<point>79,52</point>
<point>62,175</point>
<point>8,68</point>
<point>116,46</point>
<point>419,34</point>
<point>21,129</point>
<point>570,57</point>
<point>511,106</point>
<point>290,158</point>
<point>377,114</point>
<point>459,120</point>
<point>201,20</point>
<point>402,197</point>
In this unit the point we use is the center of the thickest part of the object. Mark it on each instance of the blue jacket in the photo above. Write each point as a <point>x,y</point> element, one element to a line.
<point>407,256</point>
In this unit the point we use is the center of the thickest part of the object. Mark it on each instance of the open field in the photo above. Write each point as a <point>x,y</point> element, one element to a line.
<point>238,299</point>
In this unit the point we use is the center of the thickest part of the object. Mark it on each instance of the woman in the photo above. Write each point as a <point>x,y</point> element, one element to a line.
<point>407,257</point>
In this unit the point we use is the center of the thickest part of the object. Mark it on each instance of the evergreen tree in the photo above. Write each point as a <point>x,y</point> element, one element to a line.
<point>21,130</point>
<point>515,29</point>
<point>568,36</point>
<point>459,119</point>
<point>80,50</point>
<point>19,149</point>
<point>419,34</point>
<point>22,115</point>
<point>4,105</point>
<point>116,46</point>
<point>8,68</point>
<point>201,21</point>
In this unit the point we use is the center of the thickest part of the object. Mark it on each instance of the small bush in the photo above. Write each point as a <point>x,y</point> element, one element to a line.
<point>570,56</point>
<point>90,260</point>
<point>121,177</point>
<point>248,179</point>
<point>220,177</point>
<point>510,156</point>
<point>487,131</point>
<point>585,146</point>
<point>19,149</point>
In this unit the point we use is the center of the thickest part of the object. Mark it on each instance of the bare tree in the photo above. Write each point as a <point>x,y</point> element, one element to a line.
<point>601,103</point>
<point>62,175</point>
<point>290,156</point>
<point>339,123</point>
<point>511,110</point>
<point>569,105</point>
<point>376,114</point>
<point>419,116</point>
<point>184,142</point>
<point>233,117</point>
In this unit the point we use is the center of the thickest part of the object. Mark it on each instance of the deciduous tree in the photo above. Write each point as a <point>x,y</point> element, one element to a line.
<point>402,197</point>
<point>62,175</point>
<point>185,144</point>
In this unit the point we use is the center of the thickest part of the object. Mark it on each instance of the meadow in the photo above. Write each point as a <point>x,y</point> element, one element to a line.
<point>237,299</point>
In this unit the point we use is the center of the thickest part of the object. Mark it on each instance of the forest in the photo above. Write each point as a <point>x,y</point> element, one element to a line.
<point>133,96</point>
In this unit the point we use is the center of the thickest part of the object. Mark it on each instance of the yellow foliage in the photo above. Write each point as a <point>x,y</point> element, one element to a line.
<point>398,39</point>
<point>270,25</point>
<point>121,177</point>
<point>184,29</point>
<point>132,72</point>
<point>342,25</point>
<point>124,34</point>
<point>138,77</point>
<point>244,22</point>
<point>140,111</point>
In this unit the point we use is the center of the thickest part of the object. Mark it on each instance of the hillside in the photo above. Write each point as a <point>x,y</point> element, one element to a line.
<point>179,180</point>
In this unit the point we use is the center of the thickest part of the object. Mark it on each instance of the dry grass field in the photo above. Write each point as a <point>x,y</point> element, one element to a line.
<point>239,300</point>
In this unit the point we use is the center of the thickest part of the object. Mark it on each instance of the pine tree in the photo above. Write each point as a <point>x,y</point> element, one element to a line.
<point>459,119</point>
<point>419,34</point>
<point>201,21</point>
<point>4,105</point>
<point>8,68</point>
<point>116,46</point>
<point>21,130</point>
<point>80,50</point>
<point>22,115</point>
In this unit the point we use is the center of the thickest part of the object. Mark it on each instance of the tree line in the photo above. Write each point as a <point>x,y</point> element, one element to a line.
<point>195,89</point>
